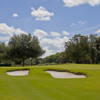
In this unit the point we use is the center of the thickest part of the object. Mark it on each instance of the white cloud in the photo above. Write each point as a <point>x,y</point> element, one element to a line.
<point>6,43</point>
<point>4,38</point>
<point>72,3</point>
<point>73,24</point>
<point>65,33</point>
<point>41,14</point>
<point>15,15</point>
<point>81,22</point>
<point>55,34</point>
<point>43,18</point>
<point>86,29</point>
<point>48,52</point>
<point>19,31</point>
<point>53,45</point>
<point>40,33</point>
<point>5,29</point>
<point>98,31</point>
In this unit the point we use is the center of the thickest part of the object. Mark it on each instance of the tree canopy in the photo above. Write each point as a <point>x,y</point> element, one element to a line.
<point>24,46</point>
<point>83,48</point>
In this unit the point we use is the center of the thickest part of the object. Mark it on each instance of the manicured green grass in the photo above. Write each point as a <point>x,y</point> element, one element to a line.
<point>39,85</point>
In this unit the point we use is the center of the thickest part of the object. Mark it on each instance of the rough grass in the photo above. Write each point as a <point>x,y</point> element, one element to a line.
<point>39,85</point>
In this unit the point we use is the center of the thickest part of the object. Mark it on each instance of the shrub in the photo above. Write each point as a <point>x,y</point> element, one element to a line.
<point>5,64</point>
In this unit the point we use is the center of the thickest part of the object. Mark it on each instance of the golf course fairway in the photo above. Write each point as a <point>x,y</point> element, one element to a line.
<point>39,85</point>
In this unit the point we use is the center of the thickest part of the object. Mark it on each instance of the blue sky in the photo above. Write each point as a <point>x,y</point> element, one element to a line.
<point>52,21</point>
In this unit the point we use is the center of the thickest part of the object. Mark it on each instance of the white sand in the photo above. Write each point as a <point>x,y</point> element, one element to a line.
<point>57,74</point>
<point>18,73</point>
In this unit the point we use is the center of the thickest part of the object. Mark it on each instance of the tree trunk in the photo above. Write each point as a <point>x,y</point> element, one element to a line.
<point>77,61</point>
<point>97,61</point>
<point>93,61</point>
<point>23,62</point>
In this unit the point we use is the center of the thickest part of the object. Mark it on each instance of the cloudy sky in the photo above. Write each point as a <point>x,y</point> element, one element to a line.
<point>52,21</point>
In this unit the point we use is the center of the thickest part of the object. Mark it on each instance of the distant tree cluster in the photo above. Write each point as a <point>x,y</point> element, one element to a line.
<point>20,47</point>
<point>56,58</point>
<point>34,61</point>
<point>83,49</point>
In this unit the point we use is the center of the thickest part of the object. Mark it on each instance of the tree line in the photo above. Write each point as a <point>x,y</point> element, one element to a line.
<point>79,49</point>
<point>24,48</point>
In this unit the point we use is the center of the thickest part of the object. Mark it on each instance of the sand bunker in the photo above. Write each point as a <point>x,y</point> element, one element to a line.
<point>18,72</point>
<point>57,74</point>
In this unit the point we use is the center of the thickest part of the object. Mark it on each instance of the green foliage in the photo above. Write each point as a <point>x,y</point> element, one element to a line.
<point>24,46</point>
<point>77,48</point>
<point>7,65</point>
<point>83,49</point>
<point>56,58</point>
<point>34,61</point>
<point>3,51</point>
<point>28,61</point>
<point>13,64</point>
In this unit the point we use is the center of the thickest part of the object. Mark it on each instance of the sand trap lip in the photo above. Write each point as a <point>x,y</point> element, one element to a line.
<point>18,72</point>
<point>59,74</point>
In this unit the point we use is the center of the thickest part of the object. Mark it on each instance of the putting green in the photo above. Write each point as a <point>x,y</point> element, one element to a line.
<point>39,85</point>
